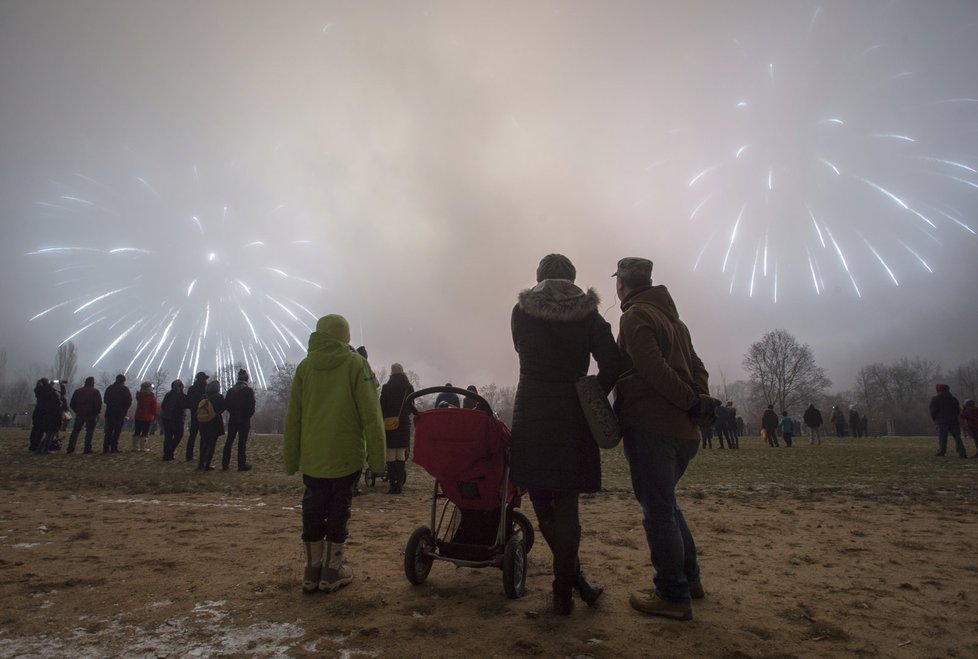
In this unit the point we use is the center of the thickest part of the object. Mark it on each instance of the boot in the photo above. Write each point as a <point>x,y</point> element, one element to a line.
<point>589,592</point>
<point>335,574</point>
<point>135,443</point>
<point>392,478</point>
<point>314,566</point>
<point>144,444</point>
<point>563,600</point>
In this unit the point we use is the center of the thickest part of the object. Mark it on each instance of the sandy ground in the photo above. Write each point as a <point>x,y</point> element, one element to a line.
<point>101,573</point>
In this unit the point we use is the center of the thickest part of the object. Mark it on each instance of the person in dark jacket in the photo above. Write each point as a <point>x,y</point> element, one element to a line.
<point>194,394</point>
<point>557,328</point>
<point>86,403</point>
<point>118,400</point>
<point>838,419</point>
<point>663,398</point>
<point>210,430</point>
<point>732,430</point>
<point>240,402</point>
<point>171,417</point>
<point>447,398</point>
<point>722,428</point>
<point>855,423</point>
<point>944,411</point>
<point>392,396</point>
<point>769,422</point>
<point>46,418</point>
<point>813,420</point>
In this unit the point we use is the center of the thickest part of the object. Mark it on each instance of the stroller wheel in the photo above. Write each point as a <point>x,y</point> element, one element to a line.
<point>370,478</point>
<point>417,555</point>
<point>514,568</point>
<point>522,525</point>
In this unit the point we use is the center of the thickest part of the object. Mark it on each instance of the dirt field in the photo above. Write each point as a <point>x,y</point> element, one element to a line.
<point>90,566</point>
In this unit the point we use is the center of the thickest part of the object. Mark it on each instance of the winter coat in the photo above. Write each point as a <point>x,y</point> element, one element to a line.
<point>769,421</point>
<point>240,401</point>
<point>147,406</point>
<point>333,423</point>
<point>214,427</point>
<point>118,400</point>
<point>969,419</point>
<point>944,409</point>
<point>556,329</point>
<point>392,396</point>
<point>194,393</point>
<point>812,417</point>
<point>838,418</point>
<point>664,376</point>
<point>854,422</point>
<point>47,410</point>
<point>731,418</point>
<point>173,405</point>
<point>449,398</point>
<point>721,418</point>
<point>787,424</point>
<point>86,401</point>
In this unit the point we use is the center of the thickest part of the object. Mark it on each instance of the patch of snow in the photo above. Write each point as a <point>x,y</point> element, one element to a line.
<point>25,545</point>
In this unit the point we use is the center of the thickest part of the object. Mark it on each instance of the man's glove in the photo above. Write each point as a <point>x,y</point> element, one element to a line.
<point>703,413</point>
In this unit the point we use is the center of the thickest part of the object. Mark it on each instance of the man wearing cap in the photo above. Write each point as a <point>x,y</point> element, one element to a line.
<point>663,388</point>
<point>240,402</point>
<point>332,426</point>
<point>194,395</point>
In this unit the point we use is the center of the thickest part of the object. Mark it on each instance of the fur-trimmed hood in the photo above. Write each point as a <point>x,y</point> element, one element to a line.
<point>558,299</point>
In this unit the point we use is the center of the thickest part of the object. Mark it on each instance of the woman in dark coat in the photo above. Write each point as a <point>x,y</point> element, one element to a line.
<point>557,328</point>
<point>392,396</point>
<point>46,419</point>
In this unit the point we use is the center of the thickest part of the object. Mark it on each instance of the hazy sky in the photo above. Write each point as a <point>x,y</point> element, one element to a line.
<point>224,172</point>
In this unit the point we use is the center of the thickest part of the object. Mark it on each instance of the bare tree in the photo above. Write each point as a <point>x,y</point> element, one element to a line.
<point>159,381</point>
<point>965,380</point>
<point>895,395</point>
<point>784,372</point>
<point>17,396</point>
<point>3,366</point>
<point>66,362</point>
<point>105,379</point>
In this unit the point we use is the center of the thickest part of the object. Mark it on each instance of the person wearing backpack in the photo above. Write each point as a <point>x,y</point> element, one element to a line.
<point>194,393</point>
<point>210,419</point>
<point>240,403</point>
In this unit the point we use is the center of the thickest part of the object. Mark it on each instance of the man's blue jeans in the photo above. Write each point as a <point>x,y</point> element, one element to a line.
<point>657,462</point>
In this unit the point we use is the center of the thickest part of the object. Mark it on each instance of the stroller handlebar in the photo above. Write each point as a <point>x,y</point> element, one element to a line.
<point>409,401</point>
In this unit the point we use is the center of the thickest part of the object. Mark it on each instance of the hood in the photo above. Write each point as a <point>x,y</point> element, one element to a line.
<point>656,296</point>
<point>327,352</point>
<point>201,377</point>
<point>558,299</point>
<point>239,385</point>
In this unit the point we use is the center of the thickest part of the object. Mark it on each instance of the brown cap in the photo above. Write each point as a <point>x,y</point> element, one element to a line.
<point>634,267</point>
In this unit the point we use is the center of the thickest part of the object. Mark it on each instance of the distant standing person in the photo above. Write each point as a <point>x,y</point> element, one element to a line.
<point>210,429</point>
<point>969,420</point>
<point>171,417</point>
<point>663,389</point>
<point>855,423</point>
<point>118,400</point>
<point>86,403</point>
<point>333,425</point>
<point>787,428</point>
<point>769,422</point>
<point>147,408</point>
<point>945,410</point>
<point>46,418</point>
<point>813,421</point>
<point>447,398</point>
<point>392,396</point>
<point>240,402</point>
<point>838,419</point>
<point>721,427</point>
<point>194,394</point>
<point>733,432</point>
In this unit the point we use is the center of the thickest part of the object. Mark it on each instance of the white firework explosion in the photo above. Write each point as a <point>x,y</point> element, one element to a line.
<point>177,277</point>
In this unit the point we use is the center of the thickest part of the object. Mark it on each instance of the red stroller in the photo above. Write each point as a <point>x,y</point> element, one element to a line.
<point>473,518</point>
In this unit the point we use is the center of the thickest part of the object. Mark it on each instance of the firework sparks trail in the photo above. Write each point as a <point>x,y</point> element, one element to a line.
<point>822,128</point>
<point>166,320</point>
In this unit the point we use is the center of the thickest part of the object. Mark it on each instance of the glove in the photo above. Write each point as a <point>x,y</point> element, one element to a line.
<point>703,413</point>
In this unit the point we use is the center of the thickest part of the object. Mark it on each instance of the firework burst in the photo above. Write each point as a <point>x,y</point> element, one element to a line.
<point>825,161</point>
<point>179,276</point>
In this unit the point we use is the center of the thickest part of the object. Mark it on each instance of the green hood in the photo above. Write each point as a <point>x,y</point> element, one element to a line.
<point>326,352</point>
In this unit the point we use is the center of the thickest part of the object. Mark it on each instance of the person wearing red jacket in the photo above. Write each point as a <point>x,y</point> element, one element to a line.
<point>147,408</point>
<point>969,420</point>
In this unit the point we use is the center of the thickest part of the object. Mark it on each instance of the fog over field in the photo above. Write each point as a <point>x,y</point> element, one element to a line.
<point>185,184</point>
